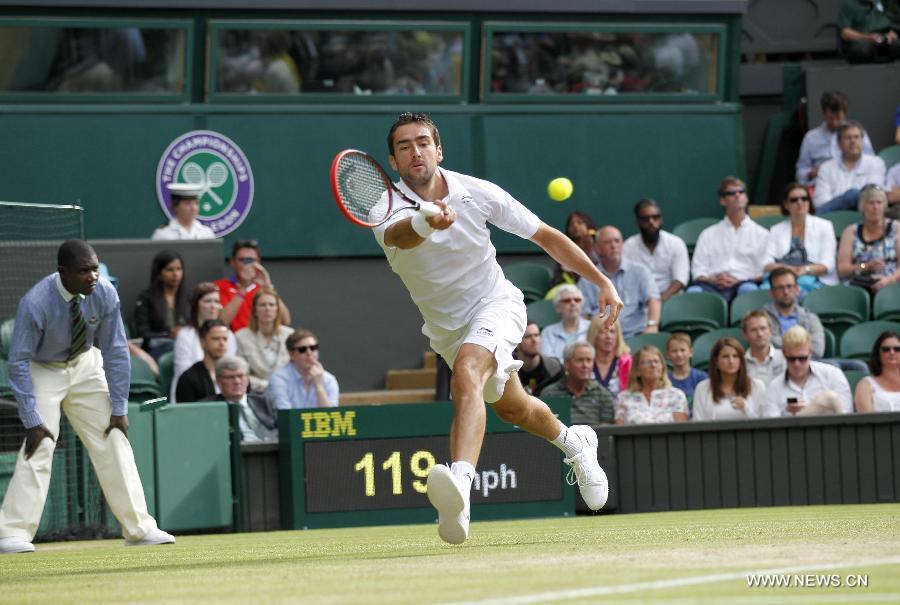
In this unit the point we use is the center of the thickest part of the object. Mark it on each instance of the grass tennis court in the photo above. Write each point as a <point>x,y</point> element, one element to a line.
<point>692,557</point>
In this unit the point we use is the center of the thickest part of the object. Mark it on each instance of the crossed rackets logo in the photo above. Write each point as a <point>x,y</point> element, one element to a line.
<point>213,176</point>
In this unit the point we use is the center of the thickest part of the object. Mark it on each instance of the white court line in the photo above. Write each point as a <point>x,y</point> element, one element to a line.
<point>597,591</point>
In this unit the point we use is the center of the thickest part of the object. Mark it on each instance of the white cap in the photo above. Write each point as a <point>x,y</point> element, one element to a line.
<point>185,189</point>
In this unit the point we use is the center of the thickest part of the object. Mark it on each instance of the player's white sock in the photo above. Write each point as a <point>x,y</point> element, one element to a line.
<point>464,473</point>
<point>569,444</point>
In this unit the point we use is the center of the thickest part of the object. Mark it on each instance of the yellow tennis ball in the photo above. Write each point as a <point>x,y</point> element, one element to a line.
<point>560,189</point>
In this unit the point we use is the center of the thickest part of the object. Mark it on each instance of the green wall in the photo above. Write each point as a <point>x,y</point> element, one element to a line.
<point>106,157</point>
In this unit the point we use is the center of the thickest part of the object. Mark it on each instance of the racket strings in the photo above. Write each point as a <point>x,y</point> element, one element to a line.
<point>362,188</point>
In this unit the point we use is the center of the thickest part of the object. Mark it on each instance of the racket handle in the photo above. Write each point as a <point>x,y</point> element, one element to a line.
<point>429,209</point>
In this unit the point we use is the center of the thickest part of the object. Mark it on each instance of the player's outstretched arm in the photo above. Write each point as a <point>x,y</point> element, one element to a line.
<point>565,252</point>
<point>403,234</point>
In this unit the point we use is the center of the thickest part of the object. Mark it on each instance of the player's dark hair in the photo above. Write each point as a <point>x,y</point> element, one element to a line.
<point>834,100</point>
<point>644,203</point>
<point>72,250</point>
<point>208,325</point>
<point>408,117</point>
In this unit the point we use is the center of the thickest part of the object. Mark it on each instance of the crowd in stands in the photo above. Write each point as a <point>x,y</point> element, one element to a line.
<point>773,365</point>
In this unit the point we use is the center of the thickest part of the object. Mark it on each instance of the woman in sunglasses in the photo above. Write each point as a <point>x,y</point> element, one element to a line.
<point>803,242</point>
<point>867,256</point>
<point>264,342</point>
<point>880,392</point>
<point>303,382</point>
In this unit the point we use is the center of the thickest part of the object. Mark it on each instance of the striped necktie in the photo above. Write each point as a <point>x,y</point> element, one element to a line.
<point>79,329</point>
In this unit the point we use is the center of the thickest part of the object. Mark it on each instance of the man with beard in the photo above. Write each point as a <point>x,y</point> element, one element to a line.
<point>666,255</point>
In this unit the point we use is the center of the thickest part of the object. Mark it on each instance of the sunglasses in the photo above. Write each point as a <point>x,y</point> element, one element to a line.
<point>796,359</point>
<point>304,349</point>
<point>566,301</point>
<point>649,217</point>
<point>247,260</point>
<point>732,192</point>
<point>796,199</point>
<point>889,349</point>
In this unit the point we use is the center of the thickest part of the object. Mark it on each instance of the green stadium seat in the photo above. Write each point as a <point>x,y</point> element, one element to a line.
<point>890,155</point>
<point>853,377</point>
<point>830,344</point>
<point>694,313</point>
<point>533,279</point>
<point>769,220</point>
<point>542,312</point>
<point>841,218</point>
<point>748,301</point>
<point>690,230</point>
<point>839,307</point>
<point>857,341</point>
<point>5,390</point>
<point>704,343</point>
<point>657,340</point>
<point>6,331</point>
<point>887,303</point>
<point>143,382</point>
<point>166,364</point>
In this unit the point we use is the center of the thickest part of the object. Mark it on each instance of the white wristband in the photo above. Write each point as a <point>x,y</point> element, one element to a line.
<point>420,225</point>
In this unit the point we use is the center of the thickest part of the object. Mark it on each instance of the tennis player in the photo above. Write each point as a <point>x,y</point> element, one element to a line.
<point>474,317</point>
<point>69,354</point>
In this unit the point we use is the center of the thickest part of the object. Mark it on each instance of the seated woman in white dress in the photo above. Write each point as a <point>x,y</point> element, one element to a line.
<point>262,343</point>
<point>880,392</point>
<point>204,305</point>
<point>650,397</point>
<point>730,393</point>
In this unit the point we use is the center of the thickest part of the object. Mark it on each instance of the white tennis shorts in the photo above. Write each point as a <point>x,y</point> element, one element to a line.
<point>497,324</point>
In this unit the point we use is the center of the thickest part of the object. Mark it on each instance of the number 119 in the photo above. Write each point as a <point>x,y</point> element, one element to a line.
<point>420,464</point>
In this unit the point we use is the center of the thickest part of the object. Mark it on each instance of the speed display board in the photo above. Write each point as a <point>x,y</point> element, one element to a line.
<point>367,465</point>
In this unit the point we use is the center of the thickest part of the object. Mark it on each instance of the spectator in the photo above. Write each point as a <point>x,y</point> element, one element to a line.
<point>821,143</point>
<point>867,255</point>
<point>633,282</point>
<point>581,229</point>
<point>185,206</point>
<point>188,351</point>
<point>729,255</point>
<point>591,403</point>
<point>683,376</point>
<point>840,179</point>
<point>803,243</point>
<point>258,415</point>
<point>555,337</point>
<point>666,255</point>
<point>236,291</point>
<point>880,392</point>
<point>537,370</point>
<point>897,126</point>
<point>808,388</point>
<point>650,397</point>
<point>303,382</point>
<point>868,30</point>
<point>892,189</point>
<point>784,312</point>
<point>730,393</point>
<point>764,361</point>
<point>263,342</point>
<point>198,381</point>
<point>163,308</point>
<point>612,357</point>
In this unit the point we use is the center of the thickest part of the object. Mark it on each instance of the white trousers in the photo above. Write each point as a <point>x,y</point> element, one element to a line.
<point>80,390</point>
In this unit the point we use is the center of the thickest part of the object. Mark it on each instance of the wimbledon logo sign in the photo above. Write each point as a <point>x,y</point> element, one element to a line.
<point>215,163</point>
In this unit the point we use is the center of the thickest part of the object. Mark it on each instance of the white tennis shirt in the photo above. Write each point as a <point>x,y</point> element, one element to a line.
<point>453,270</point>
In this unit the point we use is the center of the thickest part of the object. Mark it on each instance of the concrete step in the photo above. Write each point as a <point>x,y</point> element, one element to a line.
<point>429,360</point>
<point>388,396</point>
<point>421,378</point>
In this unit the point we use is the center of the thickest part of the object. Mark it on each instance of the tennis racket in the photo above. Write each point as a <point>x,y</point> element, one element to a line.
<point>364,191</point>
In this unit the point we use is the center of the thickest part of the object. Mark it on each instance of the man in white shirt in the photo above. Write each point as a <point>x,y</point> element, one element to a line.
<point>764,361</point>
<point>666,255</point>
<point>474,317</point>
<point>808,388</point>
<point>821,143</point>
<point>840,179</point>
<point>186,206</point>
<point>729,256</point>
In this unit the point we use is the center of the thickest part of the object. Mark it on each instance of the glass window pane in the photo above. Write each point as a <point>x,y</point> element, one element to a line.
<point>91,60</point>
<point>343,62</point>
<point>604,63</point>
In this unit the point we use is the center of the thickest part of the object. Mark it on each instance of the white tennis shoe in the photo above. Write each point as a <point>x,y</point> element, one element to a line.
<point>451,502</point>
<point>153,537</point>
<point>13,545</point>
<point>585,469</point>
